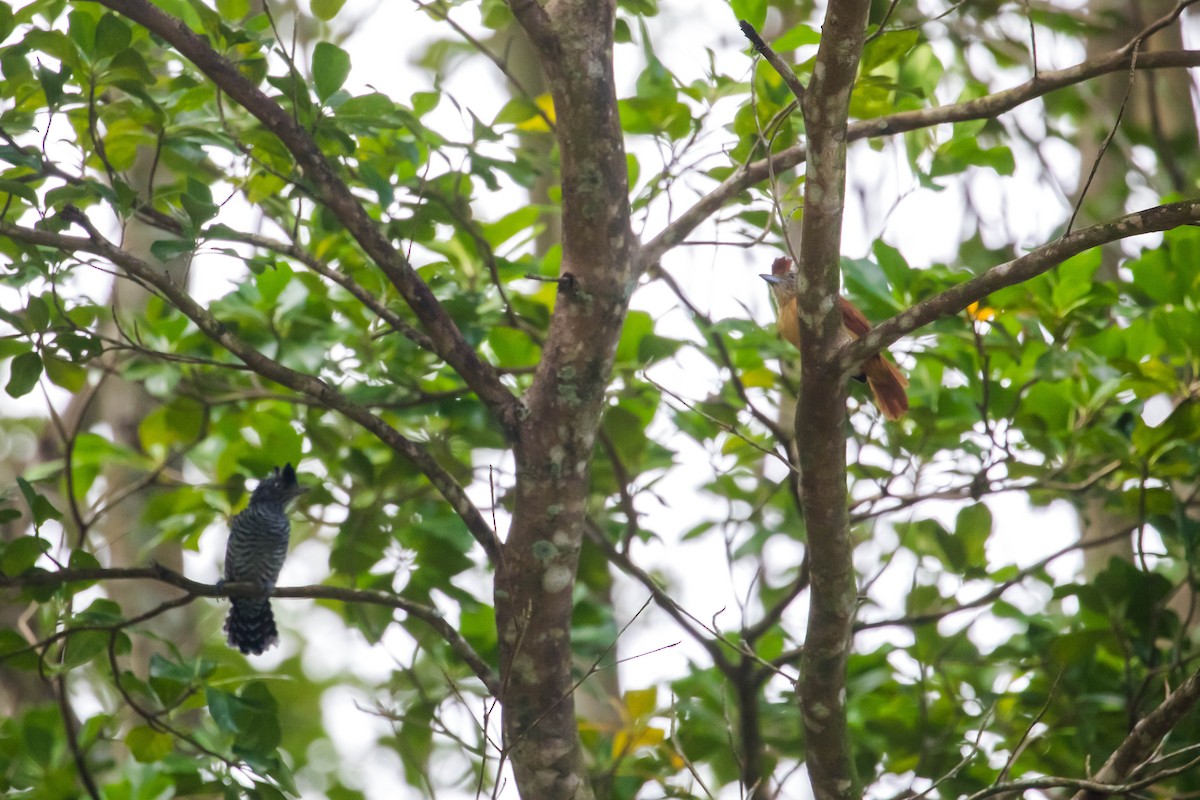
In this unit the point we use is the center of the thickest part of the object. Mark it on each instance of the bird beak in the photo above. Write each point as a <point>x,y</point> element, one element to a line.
<point>772,279</point>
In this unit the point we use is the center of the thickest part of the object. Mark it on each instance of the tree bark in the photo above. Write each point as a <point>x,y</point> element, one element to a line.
<point>555,440</point>
<point>821,413</point>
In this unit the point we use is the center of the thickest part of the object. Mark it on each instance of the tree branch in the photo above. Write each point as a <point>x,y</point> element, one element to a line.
<point>986,107</point>
<point>337,197</point>
<point>195,589</point>
<point>308,385</point>
<point>533,18</point>
<point>1094,789</point>
<point>774,59</point>
<point>294,251</point>
<point>997,592</point>
<point>71,729</point>
<point>1145,738</point>
<point>1019,270</point>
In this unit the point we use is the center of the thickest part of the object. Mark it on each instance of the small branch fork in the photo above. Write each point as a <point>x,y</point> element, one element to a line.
<point>194,590</point>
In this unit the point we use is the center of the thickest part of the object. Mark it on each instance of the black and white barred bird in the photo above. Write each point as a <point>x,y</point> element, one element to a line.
<point>258,545</point>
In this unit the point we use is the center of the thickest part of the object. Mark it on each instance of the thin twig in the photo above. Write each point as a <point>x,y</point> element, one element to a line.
<point>71,727</point>
<point>774,59</point>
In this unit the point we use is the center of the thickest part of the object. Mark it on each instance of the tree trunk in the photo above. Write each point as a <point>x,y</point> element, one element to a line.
<point>536,573</point>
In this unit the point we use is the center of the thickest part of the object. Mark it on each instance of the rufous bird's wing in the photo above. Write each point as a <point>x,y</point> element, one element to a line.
<point>854,320</point>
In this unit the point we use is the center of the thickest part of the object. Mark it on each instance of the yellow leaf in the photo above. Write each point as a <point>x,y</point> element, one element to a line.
<point>758,378</point>
<point>980,314</point>
<point>537,123</point>
<point>640,702</point>
<point>625,742</point>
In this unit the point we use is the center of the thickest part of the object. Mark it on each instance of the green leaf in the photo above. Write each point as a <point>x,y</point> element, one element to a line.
<point>183,673</point>
<point>330,68</point>
<point>656,116</point>
<point>69,376</point>
<point>622,33</point>
<point>962,152</point>
<point>233,9</point>
<point>972,529</point>
<point>10,643</point>
<point>6,22</point>
<point>258,720</point>
<point>52,83</point>
<point>887,47</point>
<point>148,745</point>
<point>22,553</point>
<point>798,35</point>
<point>638,325</point>
<point>495,14</point>
<point>508,226</point>
<point>222,706</point>
<point>753,11</point>
<point>921,71</point>
<point>24,372</point>
<point>166,250</point>
<point>653,348</point>
<point>82,29</point>
<point>84,646</point>
<point>38,313</point>
<point>326,9</point>
<point>513,348</point>
<point>21,190</point>
<point>112,36</point>
<point>198,203</point>
<point>178,422</point>
<point>82,559</point>
<point>38,504</point>
<point>1073,280</point>
<point>517,110</point>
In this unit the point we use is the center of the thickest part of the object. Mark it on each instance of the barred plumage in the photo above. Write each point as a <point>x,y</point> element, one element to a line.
<point>257,547</point>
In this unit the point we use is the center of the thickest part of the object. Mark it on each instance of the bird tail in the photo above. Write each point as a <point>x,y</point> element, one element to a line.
<point>887,385</point>
<point>251,625</point>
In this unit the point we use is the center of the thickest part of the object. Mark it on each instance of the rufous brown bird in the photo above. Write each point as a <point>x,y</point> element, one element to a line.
<point>887,383</point>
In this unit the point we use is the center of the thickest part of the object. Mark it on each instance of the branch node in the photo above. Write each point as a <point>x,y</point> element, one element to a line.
<point>774,59</point>
<point>567,282</point>
<point>751,34</point>
<point>71,213</point>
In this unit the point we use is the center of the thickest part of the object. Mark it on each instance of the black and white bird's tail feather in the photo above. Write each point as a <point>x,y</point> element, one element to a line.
<point>251,625</point>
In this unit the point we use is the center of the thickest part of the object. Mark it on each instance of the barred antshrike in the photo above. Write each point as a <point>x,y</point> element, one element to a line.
<point>258,544</point>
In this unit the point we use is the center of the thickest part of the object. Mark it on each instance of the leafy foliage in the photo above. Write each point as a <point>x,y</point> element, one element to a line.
<point>979,659</point>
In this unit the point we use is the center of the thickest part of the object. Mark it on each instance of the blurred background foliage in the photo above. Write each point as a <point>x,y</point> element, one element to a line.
<point>986,653</point>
